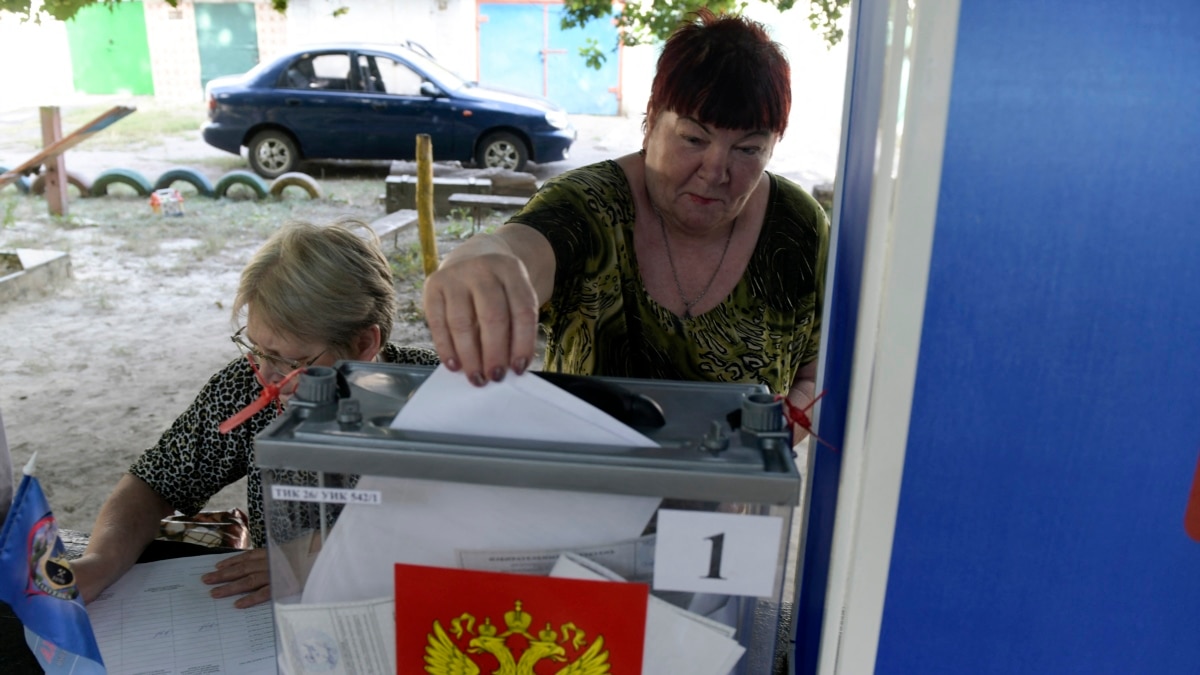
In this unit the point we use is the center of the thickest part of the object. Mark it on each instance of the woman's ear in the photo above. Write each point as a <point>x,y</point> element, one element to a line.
<point>368,344</point>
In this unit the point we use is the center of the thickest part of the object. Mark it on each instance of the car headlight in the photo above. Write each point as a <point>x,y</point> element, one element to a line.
<point>558,119</point>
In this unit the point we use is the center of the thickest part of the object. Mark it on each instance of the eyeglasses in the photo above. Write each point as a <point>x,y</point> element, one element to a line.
<point>262,360</point>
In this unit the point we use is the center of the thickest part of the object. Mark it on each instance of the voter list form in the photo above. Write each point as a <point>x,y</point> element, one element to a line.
<point>160,619</point>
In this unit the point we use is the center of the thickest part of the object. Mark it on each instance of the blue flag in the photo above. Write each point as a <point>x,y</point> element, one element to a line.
<point>37,582</point>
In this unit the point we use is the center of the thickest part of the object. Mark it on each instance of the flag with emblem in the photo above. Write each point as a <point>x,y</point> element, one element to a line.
<point>37,583</point>
<point>466,622</point>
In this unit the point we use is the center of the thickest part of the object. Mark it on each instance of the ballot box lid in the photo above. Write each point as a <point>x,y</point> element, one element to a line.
<point>705,450</point>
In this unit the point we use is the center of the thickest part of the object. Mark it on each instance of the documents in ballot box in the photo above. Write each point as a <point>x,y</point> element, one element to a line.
<point>385,481</point>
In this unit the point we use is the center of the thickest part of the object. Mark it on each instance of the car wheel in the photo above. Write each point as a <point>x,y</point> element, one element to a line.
<point>273,153</point>
<point>502,150</point>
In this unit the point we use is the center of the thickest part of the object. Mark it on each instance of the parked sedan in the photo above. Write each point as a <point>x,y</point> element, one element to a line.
<point>352,101</point>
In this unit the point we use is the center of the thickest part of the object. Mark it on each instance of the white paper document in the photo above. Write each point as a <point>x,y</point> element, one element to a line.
<point>632,559</point>
<point>519,406</point>
<point>429,522</point>
<point>677,641</point>
<point>356,637</point>
<point>160,619</point>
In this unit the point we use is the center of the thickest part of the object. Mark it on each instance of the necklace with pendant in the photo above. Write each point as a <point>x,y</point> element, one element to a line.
<point>688,304</point>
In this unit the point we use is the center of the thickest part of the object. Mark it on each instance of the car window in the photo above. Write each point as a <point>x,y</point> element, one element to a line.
<point>447,78</point>
<point>394,77</point>
<point>328,72</point>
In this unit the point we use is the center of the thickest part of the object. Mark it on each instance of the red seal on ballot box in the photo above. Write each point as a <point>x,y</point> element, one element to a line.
<point>464,621</point>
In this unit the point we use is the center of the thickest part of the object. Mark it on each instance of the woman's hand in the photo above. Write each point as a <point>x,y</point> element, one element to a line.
<point>482,303</point>
<point>243,573</point>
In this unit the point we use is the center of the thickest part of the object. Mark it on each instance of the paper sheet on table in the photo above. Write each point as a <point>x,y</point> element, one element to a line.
<point>677,641</point>
<point>519,406</point>
<point>160,618</point>
<point>428,523</point>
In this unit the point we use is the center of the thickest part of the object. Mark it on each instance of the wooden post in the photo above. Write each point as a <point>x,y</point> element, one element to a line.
<point>424,199</point>
<point>56,165</point>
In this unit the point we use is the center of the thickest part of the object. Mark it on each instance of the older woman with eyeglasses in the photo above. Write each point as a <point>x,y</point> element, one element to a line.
<point>312,295</point>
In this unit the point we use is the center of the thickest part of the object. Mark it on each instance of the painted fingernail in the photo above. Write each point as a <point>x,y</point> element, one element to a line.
<point>452,365</point>
<point>477,379</point>
<point>520,365</point>
<point>497,374</point>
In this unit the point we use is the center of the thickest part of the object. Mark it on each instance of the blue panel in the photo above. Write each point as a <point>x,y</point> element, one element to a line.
<point>509,47</point>
<point>523,48</point>
<point>571,82</point>
<point>857,176</point>
<point>1055,424</point>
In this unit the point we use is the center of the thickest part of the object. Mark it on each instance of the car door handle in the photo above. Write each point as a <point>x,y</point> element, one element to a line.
<point>292,101</point>
<point>378,105</point>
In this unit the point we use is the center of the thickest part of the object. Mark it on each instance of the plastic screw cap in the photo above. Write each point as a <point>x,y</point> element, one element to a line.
<point>318,384</point>
<point>762,413</point>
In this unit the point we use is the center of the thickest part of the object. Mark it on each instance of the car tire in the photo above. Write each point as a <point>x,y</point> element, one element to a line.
<point>126,177</point>
<point>296,179</point>
<point>203,186</point>
<point>501,150</point>
<point>258,187</point>
<point>273,153</point>
<point>21,182</point>
<point>83,185</point>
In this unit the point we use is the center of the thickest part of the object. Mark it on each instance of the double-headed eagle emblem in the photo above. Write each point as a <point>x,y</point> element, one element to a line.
<point>443,655</point>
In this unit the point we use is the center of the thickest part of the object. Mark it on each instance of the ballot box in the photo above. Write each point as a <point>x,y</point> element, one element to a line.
<point>566,524</point>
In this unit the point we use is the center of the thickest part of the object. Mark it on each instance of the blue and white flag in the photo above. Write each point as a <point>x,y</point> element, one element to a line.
<point>37,582</point>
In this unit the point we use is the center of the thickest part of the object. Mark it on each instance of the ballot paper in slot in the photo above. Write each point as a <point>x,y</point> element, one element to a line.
<point>374,465</point>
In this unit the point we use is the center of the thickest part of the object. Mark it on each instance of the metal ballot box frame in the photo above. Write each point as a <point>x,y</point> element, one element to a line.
<point>705,519</point>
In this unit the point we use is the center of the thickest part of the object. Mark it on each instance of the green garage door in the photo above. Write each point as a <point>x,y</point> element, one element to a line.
<point>109,50</point>
<point>227,37</point>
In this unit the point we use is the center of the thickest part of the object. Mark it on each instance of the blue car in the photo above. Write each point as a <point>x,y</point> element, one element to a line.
<point>351,101</point>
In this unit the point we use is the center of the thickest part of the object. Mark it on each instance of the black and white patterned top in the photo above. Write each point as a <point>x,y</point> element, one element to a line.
<point>193,460</point>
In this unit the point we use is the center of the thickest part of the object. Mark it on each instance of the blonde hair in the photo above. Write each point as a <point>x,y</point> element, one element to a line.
<point>320,283</point>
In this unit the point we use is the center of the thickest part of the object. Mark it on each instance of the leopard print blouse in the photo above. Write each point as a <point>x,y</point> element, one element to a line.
<point>193,461</point>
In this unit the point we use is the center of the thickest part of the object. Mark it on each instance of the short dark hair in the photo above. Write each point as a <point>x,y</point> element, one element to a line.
<point>725,71</point>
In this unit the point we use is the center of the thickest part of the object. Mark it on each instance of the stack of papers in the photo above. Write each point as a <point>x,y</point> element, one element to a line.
<point>159,618</point>
<point>677,641</point>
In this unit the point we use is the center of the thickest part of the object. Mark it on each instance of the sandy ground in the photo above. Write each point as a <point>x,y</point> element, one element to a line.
<point>92,373</point>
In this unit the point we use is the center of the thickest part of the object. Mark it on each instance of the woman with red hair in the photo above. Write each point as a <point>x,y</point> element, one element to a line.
<point>686,260</point>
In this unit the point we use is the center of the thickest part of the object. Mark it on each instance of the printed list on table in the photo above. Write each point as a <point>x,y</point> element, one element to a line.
<point>160,620</point>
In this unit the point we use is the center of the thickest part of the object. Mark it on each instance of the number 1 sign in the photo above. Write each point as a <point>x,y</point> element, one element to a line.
<point>720,553</point>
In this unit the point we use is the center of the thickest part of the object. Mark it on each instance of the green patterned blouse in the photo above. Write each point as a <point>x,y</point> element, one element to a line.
<point>601,321</point>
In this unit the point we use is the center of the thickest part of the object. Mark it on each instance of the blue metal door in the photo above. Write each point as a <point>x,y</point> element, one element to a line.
<point>226,37</point>
<point>523,49</point>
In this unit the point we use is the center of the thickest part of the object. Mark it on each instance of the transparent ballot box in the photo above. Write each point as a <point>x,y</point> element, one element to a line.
<point>396,548</point>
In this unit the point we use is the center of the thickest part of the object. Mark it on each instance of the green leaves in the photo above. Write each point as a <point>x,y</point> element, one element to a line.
<point>636,23</point>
